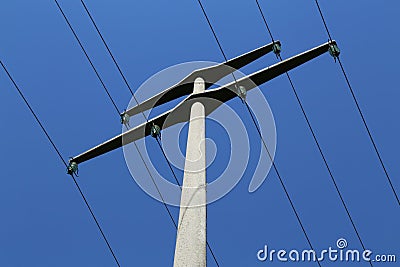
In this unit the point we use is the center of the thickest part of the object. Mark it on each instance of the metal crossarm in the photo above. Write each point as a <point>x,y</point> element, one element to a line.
<point>229,91</point>
<point>181,113</point>
<point>211,75</point>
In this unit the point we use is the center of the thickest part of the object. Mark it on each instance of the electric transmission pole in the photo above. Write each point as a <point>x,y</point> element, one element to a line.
<point>191,234</point>
<point>191,238</point>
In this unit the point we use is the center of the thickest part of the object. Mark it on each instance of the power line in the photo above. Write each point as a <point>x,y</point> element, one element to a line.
<point>316,140</point>
<point>162,198</point>
<point>111,54</point>
<point>255,123</point>
<point>169,163</point>
<point>177,181</point>
<point>265,21</point>
<point>137,102</point>
<point>215,36</point>
<point>212,30</point>
<point>34,114</point>
<point>156,186</point>
<point>324,159</point>
<point>87,56</point>
<point>158,141</point>
<point>105,44</point>
<point>279,177</point>
<point>94,218</point>
<point>359,109</point>
<point>323,20</point>
<point>101,81</point>
<point>62,159</point>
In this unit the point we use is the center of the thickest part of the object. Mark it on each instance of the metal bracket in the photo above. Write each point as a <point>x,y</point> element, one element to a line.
<point>277,48</point>
<point>125,119</point>
<point>72,168</point>
<point>221,94</point>
<point>334,50</point>
<point>155,131</point>
<point>242,92</point>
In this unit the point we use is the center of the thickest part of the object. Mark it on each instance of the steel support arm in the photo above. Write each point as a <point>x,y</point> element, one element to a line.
<point>222,94</point>
<point>229,91</point>
<point>210,74</point>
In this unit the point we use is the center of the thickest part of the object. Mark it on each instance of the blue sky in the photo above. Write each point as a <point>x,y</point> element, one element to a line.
<point>44,221</point>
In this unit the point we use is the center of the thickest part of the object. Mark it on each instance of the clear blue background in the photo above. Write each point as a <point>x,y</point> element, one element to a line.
<point>44,221</point>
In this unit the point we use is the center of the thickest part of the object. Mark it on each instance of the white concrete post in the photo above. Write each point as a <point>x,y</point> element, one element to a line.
<point>191,238</point>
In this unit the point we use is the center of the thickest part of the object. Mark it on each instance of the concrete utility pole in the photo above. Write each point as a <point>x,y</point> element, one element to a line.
<point>191,239</point>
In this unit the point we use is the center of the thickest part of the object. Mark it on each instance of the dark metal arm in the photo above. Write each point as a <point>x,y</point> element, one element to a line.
<point>211,99</point>
<point>229,91</point>
<point>210,74</point>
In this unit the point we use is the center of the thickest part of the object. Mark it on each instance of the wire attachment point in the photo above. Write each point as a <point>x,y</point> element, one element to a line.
<point>277,48</point>
<point>125,119</point>
<point>155,131</point>
<point>72,168</point>
<point>334,50</point>
<point>241,92</point>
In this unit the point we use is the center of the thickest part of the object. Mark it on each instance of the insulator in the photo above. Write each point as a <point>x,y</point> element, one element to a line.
<point>125,118</point>
<point>277,48</point>
<point>72,168</point>
<point>334,50</point>
<point>242,92</point>
<point>155,130</point>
